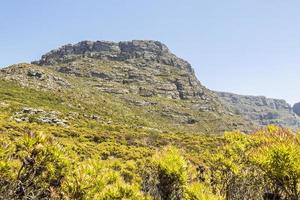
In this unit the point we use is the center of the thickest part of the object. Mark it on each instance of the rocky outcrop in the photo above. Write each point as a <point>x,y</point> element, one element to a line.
<point>296,108</point>
<point>149,51</point>
<point>29,75</point>
<point>147,68</point>
<point>261,110</point>
<point>40,116</point>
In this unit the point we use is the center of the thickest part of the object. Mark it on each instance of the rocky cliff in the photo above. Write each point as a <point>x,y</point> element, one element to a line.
<point>145,50</point>
<point>261,110</point>
<point>144,67</point>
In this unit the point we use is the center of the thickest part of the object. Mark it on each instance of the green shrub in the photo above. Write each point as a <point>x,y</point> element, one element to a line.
<point>279,159</point>
<point>197,191</point>
<point>39,168</point>
<point>103,180</point>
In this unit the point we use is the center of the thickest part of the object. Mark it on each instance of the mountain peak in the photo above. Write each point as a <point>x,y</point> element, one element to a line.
<point>137,64</point>
<point>143,50</point>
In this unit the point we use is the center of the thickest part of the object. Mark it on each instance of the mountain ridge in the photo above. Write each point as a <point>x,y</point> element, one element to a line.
<point>147,69</point>
<point>150,50</point>
<point>261,109</point>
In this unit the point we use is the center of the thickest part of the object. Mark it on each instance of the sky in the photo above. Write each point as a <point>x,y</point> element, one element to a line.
<point>243,46</point>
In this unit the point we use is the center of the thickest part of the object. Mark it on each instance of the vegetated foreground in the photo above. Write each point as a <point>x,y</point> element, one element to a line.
<point>41,162</point>
<point>42,157</point>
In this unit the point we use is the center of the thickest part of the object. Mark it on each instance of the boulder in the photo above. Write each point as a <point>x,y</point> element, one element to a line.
<point>296,108</point>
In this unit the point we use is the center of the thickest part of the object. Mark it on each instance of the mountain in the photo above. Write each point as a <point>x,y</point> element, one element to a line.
<point>262,110</point>
<point>137,82</point>
<point>130,120</point>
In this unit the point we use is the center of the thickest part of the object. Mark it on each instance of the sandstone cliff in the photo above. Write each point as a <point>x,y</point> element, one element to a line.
<point>261,110</point>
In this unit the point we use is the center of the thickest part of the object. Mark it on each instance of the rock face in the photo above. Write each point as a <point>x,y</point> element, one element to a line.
<point>144,67</point>
<point>148,51</point>
<point>147,68</point>
<point>296,108</point>
<point>261,110</point>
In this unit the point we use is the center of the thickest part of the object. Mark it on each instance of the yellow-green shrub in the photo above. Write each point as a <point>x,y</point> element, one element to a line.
<point>96,179</point>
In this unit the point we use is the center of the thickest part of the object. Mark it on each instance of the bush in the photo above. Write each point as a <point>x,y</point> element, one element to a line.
<point>197,191</point>
<point>38,168</point>
<point>103,180</point>
<point>165,176</point>
<point>170,176</point>
<point>279,159</point>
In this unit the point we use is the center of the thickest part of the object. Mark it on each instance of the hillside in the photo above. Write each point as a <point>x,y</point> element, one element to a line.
<point>261,110</point>
<point>130,120</point>
<point>138,82</point>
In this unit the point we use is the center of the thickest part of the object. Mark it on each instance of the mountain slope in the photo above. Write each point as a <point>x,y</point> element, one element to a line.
<point>138,83</point>
<point>124,121</point>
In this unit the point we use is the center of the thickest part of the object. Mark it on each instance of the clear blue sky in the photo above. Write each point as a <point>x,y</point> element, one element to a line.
<point>241,46</point>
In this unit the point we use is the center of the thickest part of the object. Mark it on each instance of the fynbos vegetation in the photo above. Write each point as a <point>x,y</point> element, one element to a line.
<point>130,120</point>
<point>264,164</point>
